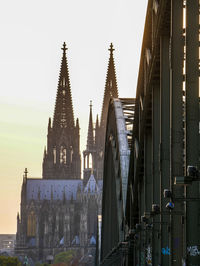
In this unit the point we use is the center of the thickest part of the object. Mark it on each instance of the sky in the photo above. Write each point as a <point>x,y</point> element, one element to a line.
<point>32,34</point>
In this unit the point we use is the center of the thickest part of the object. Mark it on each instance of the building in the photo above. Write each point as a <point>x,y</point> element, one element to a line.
<point>7,244</point>
<point>93,156</point>
<point>59,211</point>
<point>150,204</point>
<point>62,157</point>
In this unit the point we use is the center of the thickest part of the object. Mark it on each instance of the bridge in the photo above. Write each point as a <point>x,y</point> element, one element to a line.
<point>151,190</point>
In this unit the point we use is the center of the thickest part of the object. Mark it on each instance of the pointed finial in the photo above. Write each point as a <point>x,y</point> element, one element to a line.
<point>64,48</point>
<point>111,49</point>
<point>25,173</point>
<point>90,105</point>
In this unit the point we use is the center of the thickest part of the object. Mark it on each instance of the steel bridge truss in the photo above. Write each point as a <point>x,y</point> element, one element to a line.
<point>158,227</point>
<point>116,165</point>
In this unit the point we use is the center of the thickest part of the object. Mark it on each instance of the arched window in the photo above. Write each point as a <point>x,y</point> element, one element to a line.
<point>90,161</point>
<point>63,155</point>
<point>71,153</point>
<point>54,155</point>
<point>31,224</point>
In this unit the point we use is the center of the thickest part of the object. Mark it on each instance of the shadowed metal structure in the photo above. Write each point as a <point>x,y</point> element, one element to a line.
<point>151,210</point>
<point>116,163</point>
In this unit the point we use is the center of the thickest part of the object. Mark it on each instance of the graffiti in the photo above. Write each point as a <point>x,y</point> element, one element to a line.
<point>193,251</point>
<point>166,251</point>
<point>149,255</point>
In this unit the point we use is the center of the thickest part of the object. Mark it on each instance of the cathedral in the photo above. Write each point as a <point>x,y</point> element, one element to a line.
<point>59,211</point>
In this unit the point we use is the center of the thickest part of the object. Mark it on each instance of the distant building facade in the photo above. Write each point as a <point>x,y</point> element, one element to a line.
<point>7,243</point>
<point>56,215</point>
<point>59,211</point>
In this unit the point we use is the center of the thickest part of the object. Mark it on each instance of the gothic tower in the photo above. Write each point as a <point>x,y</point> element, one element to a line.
<point>110,91</point>
<point>89,153</point>
<point>62,157</point>
<point>94,153</point>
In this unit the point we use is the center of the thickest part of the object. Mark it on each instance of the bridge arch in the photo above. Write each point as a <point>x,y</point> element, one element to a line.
<point>116,165</point>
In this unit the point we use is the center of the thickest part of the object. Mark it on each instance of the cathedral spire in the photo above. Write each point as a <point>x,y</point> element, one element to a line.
<point>63,114</point>
<point>111,90</point>
<point>62,159</point>
<point>90,137</point>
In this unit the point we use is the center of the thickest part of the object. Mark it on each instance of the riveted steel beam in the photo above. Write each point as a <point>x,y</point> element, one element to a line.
<point>164,139</point>
<point>192,126</point>
<point>176,91</point>
<point>116,165</point>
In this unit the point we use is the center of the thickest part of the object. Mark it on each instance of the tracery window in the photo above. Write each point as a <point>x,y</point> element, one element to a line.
<point>63,155</point>
<point>31,224</point>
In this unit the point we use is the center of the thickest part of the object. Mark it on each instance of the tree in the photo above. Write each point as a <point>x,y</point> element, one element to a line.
<point>9,261</point>
<point>64,258</point>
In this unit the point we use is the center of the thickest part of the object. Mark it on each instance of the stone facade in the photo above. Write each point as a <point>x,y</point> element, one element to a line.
<point>62,158</point>
<point>57,215</point>
<point>59,211</point>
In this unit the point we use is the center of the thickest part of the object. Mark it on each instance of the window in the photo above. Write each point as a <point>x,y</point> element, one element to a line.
<point>31,224</point>
<point>90,161</point>
<point>63,155</point>
<point>54,155</point>
<point>71,153</point>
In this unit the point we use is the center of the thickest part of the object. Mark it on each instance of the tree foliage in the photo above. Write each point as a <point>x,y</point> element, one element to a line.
<point>64,258</point>
<point>9,261</point>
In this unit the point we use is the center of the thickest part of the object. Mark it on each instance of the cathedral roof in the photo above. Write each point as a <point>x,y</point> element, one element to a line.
<point>55,189</point>
<point>92,186</point>
<point>48,189</point>
<point>76,241</point>
<point>92,241</point>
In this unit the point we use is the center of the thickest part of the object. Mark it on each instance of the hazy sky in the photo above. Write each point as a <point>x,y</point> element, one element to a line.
<point>32,33</point>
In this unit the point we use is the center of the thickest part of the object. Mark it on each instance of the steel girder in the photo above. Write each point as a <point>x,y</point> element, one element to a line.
<point>116,165</point>
<point>166,137</point>
<point>165,141</point>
